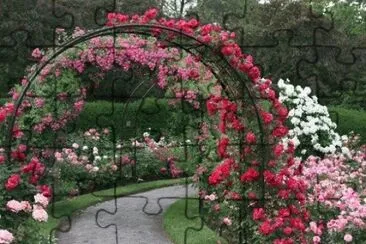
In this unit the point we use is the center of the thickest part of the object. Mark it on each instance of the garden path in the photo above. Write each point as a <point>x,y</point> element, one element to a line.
<point>130,224</point>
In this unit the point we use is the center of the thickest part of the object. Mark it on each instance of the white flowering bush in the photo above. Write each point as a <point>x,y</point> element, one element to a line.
<point>311,128</point>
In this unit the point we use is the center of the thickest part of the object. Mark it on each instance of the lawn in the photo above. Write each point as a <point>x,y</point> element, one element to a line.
<point>183,224</point>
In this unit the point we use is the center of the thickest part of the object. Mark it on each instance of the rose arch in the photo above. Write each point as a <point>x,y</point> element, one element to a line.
<point>248,183</point>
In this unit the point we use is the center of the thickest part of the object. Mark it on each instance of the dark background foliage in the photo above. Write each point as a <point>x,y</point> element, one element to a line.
<point>289,39</point>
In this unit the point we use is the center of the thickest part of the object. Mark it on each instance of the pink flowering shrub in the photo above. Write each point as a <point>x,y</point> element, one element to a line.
<point>336,187</point>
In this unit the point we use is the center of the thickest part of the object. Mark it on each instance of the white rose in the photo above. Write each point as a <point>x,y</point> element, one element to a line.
<point>75,145</point>
<point>85,148</point>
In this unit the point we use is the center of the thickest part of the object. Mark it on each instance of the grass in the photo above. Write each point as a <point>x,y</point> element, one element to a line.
<point>59,211</point>
<point>180,218</point>
<point>349,120</point>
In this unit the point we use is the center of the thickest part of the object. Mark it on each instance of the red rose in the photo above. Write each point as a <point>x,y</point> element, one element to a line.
<point>298,224</point>
<point>151,13</point>
<point>287,231</point>
<point>163,170</point>
<point>292,184</point>
<point>278,150</point>
<point>227,50</point>
<point>284,194</point>
<point>221,172</point>
<point>193,23</point>
<point>237,125</point>
<point>2,159</point>
<point>2,115</point>
<point>300,196</point>
<point>306,215</point>
<point>45,190</point>
<point>12,182</point>
<point>282,111</point>
<point>245,67</point>
<point>122,18</point>
<point>258,214</point>
<point>280,131</point>
<point>254,73</point>
<point>271,178</point>
<point>211,106</point>
<point>250,138</point>
<point>284,241</point>
<point>250,175</point>
<point>266,117</point>
<point>221,149</point>
<point>266,228</point>
<point>284,212</point>
<point>293,209</point>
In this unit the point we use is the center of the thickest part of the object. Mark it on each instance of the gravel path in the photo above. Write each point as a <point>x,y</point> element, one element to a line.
<point>137,220</point>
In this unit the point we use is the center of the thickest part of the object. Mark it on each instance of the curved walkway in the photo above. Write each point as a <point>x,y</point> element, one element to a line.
<point>134,219</point>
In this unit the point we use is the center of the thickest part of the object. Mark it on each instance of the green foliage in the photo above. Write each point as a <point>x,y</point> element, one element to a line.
<point>130,120</point>
<point>183,215</point>
<point>282,23</point>
<point>349,120</point>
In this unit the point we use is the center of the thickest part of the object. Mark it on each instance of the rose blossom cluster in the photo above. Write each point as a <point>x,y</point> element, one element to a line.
<point>310,121</point>
<point>38,209</point>
<point>163,152</point>
<point>281,178</point>
<point>337,183</point>
<point>88,155</point>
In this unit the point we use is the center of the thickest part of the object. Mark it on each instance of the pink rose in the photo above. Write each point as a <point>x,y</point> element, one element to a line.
<point>227,221</point>
<point>39,213</point>
<point>14,206</point>
<point>37,53</point>
<point>6,237</point>
<point>316,239</point>
<point>348,238</point>
<point>26,206</point>
<point>39,198</point>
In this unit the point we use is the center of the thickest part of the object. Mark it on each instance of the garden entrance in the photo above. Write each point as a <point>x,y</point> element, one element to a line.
<point>144,99</point>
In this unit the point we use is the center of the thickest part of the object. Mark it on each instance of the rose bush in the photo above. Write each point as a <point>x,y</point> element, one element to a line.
<point>336,186</point>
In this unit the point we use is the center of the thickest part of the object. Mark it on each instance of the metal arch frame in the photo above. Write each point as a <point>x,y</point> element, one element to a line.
<point>133,29</point>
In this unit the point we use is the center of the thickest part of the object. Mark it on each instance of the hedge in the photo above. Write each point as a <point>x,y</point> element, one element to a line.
<point>127,119</point>
<point>157,114</point>
<point>349,120</point>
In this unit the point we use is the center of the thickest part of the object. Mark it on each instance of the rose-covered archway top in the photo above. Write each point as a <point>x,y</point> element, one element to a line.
<point>247,117</point>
